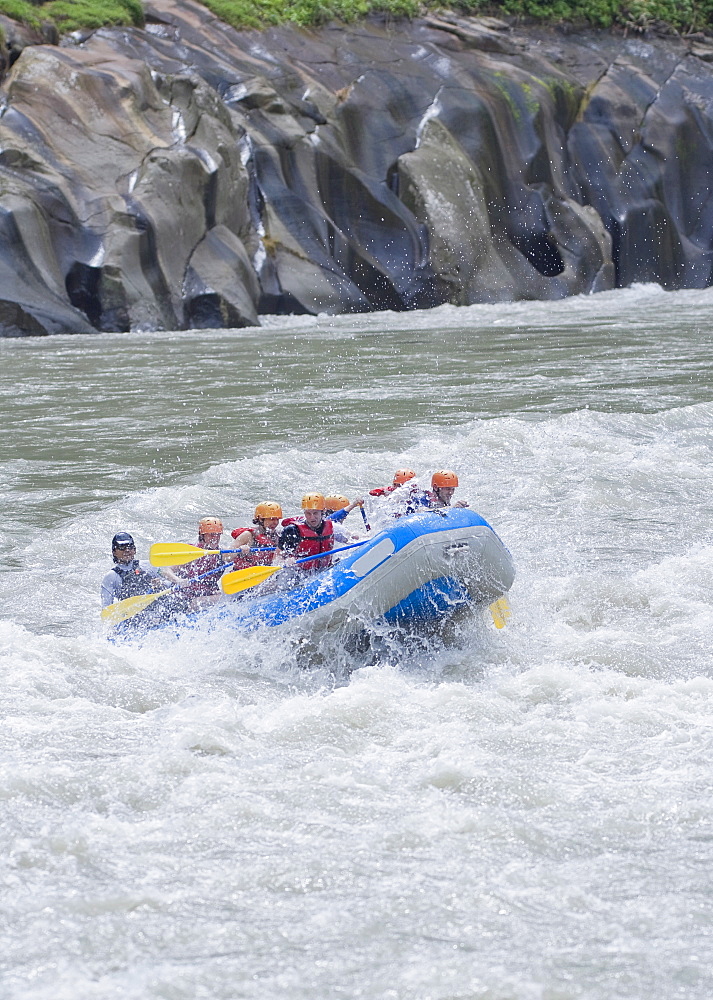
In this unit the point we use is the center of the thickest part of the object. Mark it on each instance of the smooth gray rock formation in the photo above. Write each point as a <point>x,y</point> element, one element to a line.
<point>192,176</point>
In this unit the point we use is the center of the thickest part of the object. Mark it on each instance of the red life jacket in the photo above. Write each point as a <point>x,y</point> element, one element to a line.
<point>314,543</point>
<point>211,584</point>
<point>259,540</point>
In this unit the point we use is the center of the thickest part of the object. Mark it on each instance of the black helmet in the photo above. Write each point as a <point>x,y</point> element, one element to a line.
<point>121,540</point>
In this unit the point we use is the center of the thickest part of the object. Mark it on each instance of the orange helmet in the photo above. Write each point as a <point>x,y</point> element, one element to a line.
<point>313,501</point>
<point>403,475</point>
<point>210,526</point>
<point>444,477</point>
<point>335,502</point>
<point>268,508</point>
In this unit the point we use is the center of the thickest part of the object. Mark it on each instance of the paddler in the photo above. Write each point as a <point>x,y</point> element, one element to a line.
<point>129,576</point>
<point>338,506</point>
<point>263,533</point>
<point>401,476</point>
<point>403,496</point>
<point>311,534</point>
<point>443,486</point>
<point>207,591</point>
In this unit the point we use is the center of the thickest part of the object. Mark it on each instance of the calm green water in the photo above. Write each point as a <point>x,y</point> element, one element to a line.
<point>521,815</point>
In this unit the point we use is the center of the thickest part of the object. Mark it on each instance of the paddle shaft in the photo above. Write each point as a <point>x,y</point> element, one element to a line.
<point>193,579</point>
<point>271,548</point>
<point>330,552</point>
<point>251,576</point>
<point>179,553</point>
<point>226,552</point>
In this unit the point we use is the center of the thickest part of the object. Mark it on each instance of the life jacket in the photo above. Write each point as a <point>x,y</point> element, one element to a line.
<point>211,584</point>
<point>313,543</point>
<point>260,540</point>
<point>134,580</point>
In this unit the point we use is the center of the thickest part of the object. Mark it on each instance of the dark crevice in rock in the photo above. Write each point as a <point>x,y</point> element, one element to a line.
<point>150,267</point>
<point>541,250</point>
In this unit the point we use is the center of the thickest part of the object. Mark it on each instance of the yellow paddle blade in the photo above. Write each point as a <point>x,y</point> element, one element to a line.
<point>176,553</point>
<point>501,611</point>
<point>115,613</point>
<point>241,579</point>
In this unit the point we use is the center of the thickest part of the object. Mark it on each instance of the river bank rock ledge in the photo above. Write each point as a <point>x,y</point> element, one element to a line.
<point>192,176</point>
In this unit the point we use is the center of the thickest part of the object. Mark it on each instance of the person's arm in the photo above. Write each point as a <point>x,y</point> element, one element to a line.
<point>243,541</point>
<point>166,572</point>
<point>110,588</point>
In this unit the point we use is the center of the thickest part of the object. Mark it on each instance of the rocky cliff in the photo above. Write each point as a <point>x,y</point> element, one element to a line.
<point>190,175</point>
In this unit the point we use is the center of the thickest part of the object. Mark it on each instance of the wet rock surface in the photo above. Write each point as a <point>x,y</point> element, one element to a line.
<point>192,176</point>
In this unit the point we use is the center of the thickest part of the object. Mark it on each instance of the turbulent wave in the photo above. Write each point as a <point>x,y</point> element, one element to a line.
<point>592,505</point>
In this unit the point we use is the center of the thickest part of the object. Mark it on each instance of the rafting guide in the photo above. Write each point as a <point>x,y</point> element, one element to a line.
<point>129,576</point>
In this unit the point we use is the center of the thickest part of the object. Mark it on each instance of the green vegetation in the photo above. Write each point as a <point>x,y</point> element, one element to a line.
<point>632,15</point>
<point>70,15</point>
<point>20,10</point>
<point>261,13</point>
<point>636,15</point>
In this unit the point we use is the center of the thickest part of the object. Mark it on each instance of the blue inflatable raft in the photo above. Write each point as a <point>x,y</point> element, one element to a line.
<point>417,571</point>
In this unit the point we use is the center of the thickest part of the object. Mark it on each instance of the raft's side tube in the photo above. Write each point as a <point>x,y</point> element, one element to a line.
<point>419,569</point>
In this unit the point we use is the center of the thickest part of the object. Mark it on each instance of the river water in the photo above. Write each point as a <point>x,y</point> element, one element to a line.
<point>515,815</point>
